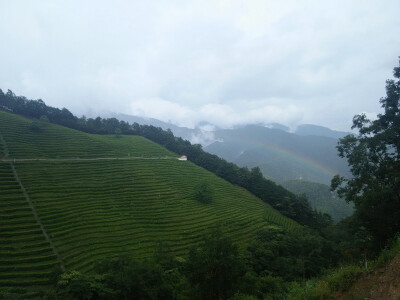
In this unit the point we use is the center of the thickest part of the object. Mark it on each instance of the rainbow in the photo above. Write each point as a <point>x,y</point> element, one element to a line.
<point>293,156</point>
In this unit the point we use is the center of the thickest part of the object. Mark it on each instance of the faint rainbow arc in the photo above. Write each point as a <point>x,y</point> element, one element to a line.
<point>297,157</point>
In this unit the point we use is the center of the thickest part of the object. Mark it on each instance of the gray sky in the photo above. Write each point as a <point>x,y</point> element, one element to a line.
<point>225,62</point>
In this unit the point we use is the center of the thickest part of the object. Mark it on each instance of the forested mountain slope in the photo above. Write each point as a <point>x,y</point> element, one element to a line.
<point>321,198</point>
<point>80,209</point>
<point>309,129</point>
<point>280,155</point>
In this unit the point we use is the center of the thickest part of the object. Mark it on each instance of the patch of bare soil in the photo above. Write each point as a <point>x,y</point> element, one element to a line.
<point>381,284</point>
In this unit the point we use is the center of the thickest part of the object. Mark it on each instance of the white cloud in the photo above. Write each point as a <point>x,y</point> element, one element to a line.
<point>205,135</point>
<point>221,115</point>
<point>226,62</point>
<point>163,110</point>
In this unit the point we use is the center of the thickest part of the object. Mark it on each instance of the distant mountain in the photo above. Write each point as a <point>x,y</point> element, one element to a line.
<point>198,135</point>
<point>309,153</point>
<point>278,126</point>
<point>308,129</point>
<point>321,198</point>
<point>281,155</point>
<point>183,132</point>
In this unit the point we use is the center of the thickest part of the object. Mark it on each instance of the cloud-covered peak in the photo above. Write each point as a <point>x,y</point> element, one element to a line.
<point>221,115</point>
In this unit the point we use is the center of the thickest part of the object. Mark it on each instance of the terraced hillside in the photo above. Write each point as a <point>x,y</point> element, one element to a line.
<point>93,208</point>
<point>26,258</point>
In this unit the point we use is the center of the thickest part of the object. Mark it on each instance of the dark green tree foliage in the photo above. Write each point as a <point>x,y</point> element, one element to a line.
<point>5,294</point>
<point>132,279</point>
<point>34,126</point>
<point>214,269</point>
<point>354,241</point>
<point>77,286</point>
<point>204,193</point>
<point>321,198</point>
<point>286,202</point>
<point>375,165</point>
<point>120,278</point>
<point>289,255</point>
<point>262,286</point>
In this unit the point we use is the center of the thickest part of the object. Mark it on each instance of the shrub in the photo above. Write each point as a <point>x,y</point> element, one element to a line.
<point>388,254</point>
<point>240,296</point>
<point>298,291</point>
<point>117,133</point>
<point>34,126</point>
<point>204,193</point>
<point>8,294</point>
<point>342,279</point>
<point>269,287</point>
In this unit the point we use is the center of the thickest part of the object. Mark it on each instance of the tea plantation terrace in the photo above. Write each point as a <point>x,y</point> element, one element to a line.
<point>98,196</point>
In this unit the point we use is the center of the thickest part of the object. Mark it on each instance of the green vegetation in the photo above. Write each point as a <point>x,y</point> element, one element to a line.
<point>374,158</point>
<point>340,279</point>
<point>281,155</point>
<point>321,198</point>
<point>288,204</point>
<point>99,209</point>
<point>289,255</point>
<point>26,259</point>
<point>127,219</point>
<point>216,268</point>
<point>204,193</point>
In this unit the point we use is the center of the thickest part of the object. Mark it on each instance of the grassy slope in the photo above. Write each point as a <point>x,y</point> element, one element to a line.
<point>381,280</point>
<point>98,209</point>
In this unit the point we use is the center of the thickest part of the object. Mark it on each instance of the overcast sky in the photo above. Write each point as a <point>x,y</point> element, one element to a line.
<point>225,62</point>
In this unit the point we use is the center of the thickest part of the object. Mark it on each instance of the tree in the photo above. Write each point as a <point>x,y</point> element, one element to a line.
<point>215,268</point>
<point>204,193</point>
<point>289,254</point>
<point>35,126</point>
<point>133,279</point>
<point>374,158</point>
<point>75,285</point>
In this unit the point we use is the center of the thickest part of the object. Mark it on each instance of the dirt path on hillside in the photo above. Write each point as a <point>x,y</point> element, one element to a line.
<point>12,160</point>
<point>30,203</point>
<point>381,284</point>
<point>32,207</point>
